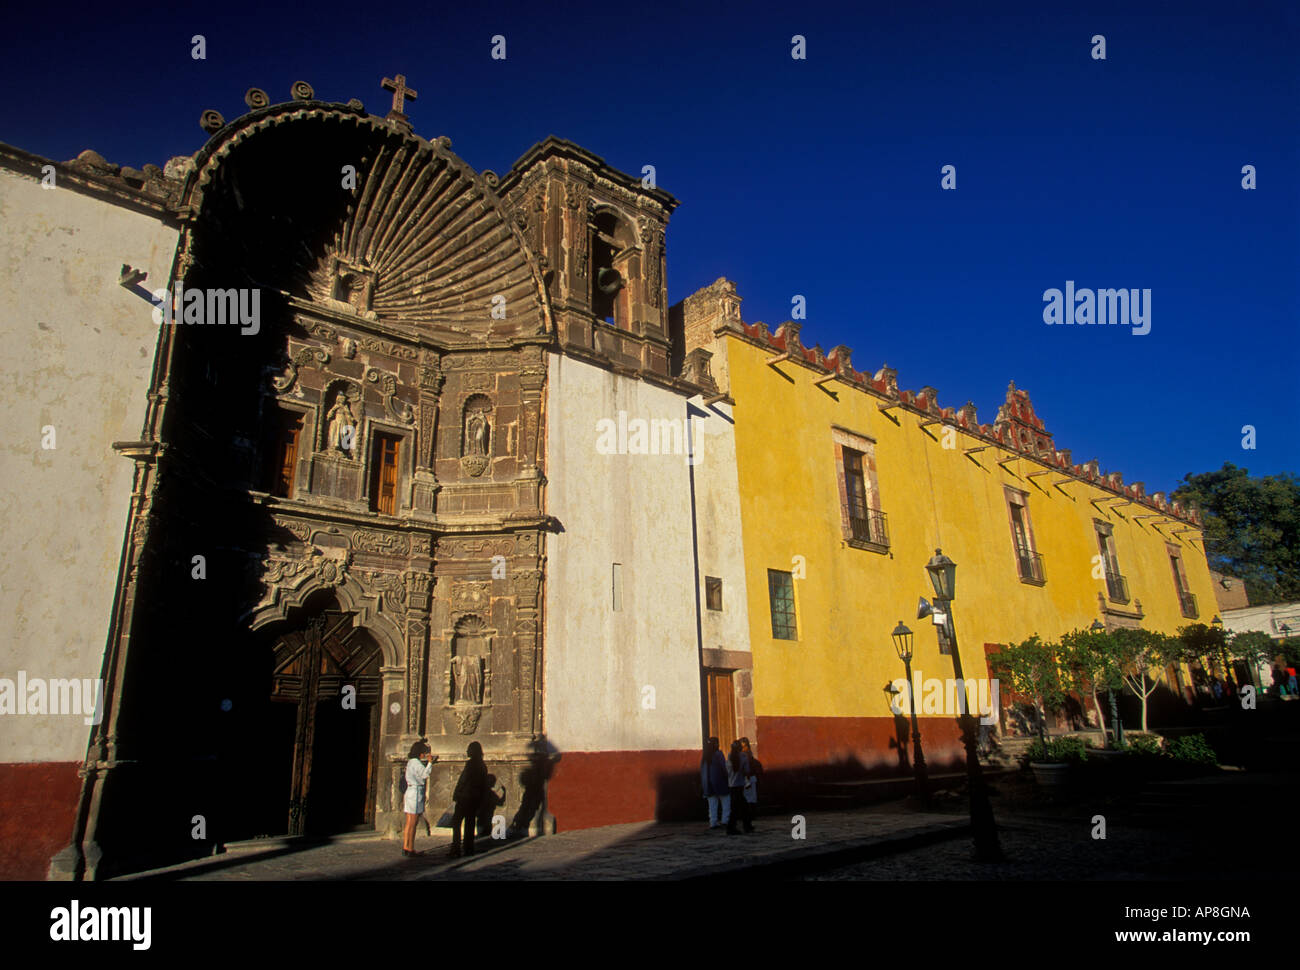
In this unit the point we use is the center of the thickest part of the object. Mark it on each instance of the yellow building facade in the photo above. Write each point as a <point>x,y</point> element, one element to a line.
<point>848,485</point>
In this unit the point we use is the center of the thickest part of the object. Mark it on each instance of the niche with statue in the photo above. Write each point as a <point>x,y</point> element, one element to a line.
<point>476,435</point>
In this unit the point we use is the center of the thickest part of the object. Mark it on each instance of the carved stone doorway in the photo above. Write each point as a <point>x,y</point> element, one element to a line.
<point>327,689</point>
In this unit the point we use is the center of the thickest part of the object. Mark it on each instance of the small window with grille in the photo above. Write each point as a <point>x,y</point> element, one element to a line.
<point>780,591</point>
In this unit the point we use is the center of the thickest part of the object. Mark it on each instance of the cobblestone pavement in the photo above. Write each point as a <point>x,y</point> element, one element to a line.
<point>1167,830</point>
<point>1190,829</point>
<point>1051,849</point>
<point>645,850</point>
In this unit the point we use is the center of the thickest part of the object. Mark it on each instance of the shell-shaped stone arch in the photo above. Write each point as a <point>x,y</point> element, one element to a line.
<point>354,213</point>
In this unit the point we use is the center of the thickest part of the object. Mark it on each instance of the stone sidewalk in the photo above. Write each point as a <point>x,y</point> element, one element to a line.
<point>639,851</point>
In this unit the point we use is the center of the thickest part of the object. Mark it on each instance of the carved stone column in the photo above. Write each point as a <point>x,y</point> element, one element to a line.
<point>527,589</point>
<point>424,496</point>
<point>532,378</point>
<point>417,638</point>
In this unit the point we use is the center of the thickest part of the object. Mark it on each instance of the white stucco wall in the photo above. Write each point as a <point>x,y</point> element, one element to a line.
<point>1269,619</point>
<point>632,509</point>
<point>79,350</point>
<point>717,510</point>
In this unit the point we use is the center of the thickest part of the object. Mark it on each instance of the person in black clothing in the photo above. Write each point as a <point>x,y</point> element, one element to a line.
<point>751,781</point>
<point>467,796</point>
<point>737,772</point>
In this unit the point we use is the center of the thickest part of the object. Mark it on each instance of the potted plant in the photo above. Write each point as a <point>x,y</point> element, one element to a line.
<point>1053,759</point>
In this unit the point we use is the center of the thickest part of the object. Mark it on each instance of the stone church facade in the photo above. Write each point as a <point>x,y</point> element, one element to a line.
<point>337,526</point>
<point>331,444</point>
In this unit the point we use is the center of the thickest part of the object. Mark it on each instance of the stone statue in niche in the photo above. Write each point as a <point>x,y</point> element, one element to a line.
<point>341,429</point>
<point>476,436</point>
<point>467,679</point>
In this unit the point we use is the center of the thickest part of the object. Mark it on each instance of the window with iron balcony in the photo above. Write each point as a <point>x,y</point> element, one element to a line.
<point>1029,563</point>
<point>865,526</point>
<point>1186,598</point>
<point>1116,584</point>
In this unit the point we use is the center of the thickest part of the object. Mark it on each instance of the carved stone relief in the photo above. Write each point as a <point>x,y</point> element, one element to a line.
<point>330,570</point>
<point>385,543</point>
<point>300,530</point>
<point>470,597</point>
<point>399,411</point>
<point>303,357</point>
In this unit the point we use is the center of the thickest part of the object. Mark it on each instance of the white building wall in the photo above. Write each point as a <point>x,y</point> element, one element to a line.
<point>1269,619</point>
<point>632,509</point>
<point>717,509</point>
<point>79,351</point>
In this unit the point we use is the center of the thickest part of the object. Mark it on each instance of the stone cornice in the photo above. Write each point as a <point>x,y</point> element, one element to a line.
<point>883,387</point>
<point>506,524</point>
<point>123,187</point>
<point>553,146</point>
<point>412,336</point>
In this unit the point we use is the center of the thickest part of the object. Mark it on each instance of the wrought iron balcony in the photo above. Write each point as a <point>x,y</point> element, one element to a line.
<point>1031,567</point>
<point>873,527</point>
<point>1189,604</point>
<point>1117,587</point>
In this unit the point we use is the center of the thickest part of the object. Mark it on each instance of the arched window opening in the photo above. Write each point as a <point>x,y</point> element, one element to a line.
<point>611,240</point>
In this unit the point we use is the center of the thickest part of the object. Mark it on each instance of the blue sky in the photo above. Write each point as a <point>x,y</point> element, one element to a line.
<point>821,177</point>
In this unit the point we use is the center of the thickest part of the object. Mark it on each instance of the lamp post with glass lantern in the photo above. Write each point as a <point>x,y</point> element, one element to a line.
<point>943,577</point>
<point>1221,639</point>
<point>903,647</point>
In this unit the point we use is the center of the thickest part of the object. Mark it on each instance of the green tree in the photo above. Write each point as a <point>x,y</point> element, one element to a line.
<point>1254,647</point>
<point>1094,663</point>
<point>1204,643</point>
<point>1032,669</point>
<point>1252,528</point>
<point>1142,653</point>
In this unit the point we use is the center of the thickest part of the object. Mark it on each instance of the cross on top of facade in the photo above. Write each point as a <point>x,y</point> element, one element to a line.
<point>400,93</point>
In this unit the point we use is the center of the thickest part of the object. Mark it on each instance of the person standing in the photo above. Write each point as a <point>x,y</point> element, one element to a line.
<point>713,782</point>
<point>751,782</point>
<point>419,766</point>
<point>467,796</point>
<point>737,771</point>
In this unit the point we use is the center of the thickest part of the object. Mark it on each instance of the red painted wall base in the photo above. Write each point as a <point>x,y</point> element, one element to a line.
<point>38,806</point>
<point>856,745</point>
<point>591,788</point>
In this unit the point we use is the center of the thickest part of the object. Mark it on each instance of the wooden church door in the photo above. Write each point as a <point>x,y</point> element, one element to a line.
<point>330,671</point>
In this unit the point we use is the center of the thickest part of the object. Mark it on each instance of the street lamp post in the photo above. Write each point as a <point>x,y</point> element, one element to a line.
<point>903,647</point>
<point>1216,625</point>
<point>943,577</point>
<point>1116,726</point>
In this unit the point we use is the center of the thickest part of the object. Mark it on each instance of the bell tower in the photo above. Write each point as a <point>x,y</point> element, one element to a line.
<point>599,235</point>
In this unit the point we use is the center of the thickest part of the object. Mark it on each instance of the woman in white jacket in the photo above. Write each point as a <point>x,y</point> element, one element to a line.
<point>419,766</point>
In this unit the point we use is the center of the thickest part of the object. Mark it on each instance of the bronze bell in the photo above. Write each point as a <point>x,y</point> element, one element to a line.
<point>609,281</point>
